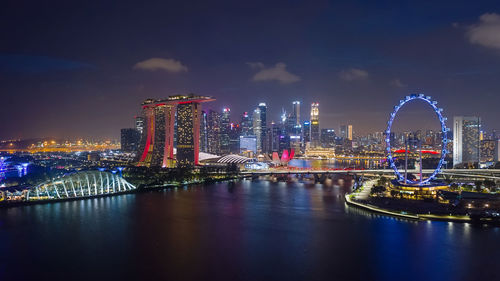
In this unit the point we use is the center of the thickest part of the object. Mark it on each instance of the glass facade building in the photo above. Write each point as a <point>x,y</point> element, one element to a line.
<point>129,141</point>
<point>203,132</point>
<point>213,132</point>
<point>257,128</point>
<point>315,141</point>
<point>246,124</point>
<point>248,144</point>
<point>225,131</point>
<point>264,146</point>
<point>328,138</point>
<point>466,139</point>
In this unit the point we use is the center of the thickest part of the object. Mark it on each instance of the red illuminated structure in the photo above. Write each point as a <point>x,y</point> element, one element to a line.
<point>156,148</point>
<point>286,156</point>
<point>423,151</point>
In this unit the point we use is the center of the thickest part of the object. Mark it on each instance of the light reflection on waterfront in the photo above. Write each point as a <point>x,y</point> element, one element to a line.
<point>337,163</point>
<point>248,230</point>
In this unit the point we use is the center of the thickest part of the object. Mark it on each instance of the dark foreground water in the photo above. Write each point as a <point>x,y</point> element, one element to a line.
<point>243,231</point>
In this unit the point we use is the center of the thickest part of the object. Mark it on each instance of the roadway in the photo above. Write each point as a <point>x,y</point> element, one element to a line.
<point>375,171</point>
<point>365,190</point>
<point>478,173</point>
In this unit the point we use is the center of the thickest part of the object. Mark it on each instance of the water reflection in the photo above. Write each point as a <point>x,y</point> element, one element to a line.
<point>337,163</point>
<point>247,230</point>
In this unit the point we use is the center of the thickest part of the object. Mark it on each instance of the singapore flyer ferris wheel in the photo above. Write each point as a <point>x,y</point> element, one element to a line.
<point>444,139</point>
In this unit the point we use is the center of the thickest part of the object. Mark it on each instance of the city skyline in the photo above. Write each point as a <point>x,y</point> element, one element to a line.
<point>67,86</point>
<point>249,140</point>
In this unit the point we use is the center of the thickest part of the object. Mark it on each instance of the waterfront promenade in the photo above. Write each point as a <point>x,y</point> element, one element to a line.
<point>403,208</point>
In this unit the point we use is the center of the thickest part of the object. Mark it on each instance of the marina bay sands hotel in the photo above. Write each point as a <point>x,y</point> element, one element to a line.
<point>156,148</point>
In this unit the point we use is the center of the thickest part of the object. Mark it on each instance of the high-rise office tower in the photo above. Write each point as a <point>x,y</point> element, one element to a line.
<point>246,124</point>
<point>306,133</point>
<point>225,131</point>
<point>487,151</point>
<point>130,138</point>
<point>343,131</point>
<point>290,124</point>
<point>466,143</point>
<point>257,128</point>
<point>234,138</point>
<point>294,129</point>
<point>296,112</point>
<point>284,140</point>
<point>263,123</point>
<point>156,147</point>
<point>139,124</point>
<point>275,137</point>
<point>346,132</point>
<point>315,141</point>
<point>213,134</point>
<point>284,131</point>
<point>328,138</point>
<point>203,132</point>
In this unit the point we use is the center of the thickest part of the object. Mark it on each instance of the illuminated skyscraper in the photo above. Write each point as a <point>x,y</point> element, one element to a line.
<point>327,137</point>
<point>139,124</point>
<point>315,141</point>
<point>294,128</point>
<point>275,137</point>
<point>213,132</point>
<point>203,132</point>
<point>157,142</point>
<point>264,146</point>
<point>188,133</point>
<point>225,131</point>
<point>466,143</point>
<point>296,112</point>
<point>234,138</point>
<point>343,131</point>
<point>306,133</point>
<point>346,132</point>
<point>130,138</point>
<point>257,128</point>
<point>246,124</point>
<point>487,151</point>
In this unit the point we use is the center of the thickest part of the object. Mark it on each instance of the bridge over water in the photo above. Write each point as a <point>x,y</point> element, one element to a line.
<point>492,174</point>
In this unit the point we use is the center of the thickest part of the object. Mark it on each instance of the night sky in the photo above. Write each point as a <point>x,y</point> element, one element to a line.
<point>71,69</point>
